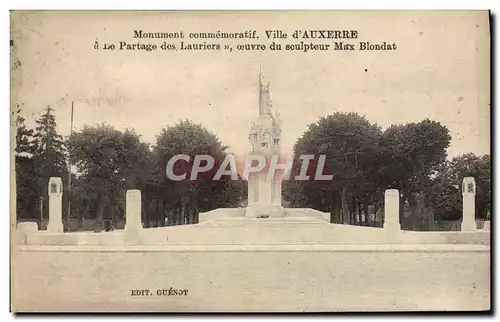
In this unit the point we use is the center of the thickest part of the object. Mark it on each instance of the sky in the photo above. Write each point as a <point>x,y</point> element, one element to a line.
<point>439,71</point>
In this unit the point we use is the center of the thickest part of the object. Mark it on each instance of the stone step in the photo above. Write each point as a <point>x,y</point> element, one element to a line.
<point>264,221</point>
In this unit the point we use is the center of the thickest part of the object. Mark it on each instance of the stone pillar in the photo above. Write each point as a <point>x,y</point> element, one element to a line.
<point>133,223</point>
<point>487,225</point>
<point>265,190</point>
<point>55,205</point>
<point>391,210</point>
<point>468,204</point>
<point>263,200</point>
<point>25,231</point>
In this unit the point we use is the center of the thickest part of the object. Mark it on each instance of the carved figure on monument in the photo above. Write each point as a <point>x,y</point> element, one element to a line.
<point>264,138</point>
<point>253,138</point>
<point>265,99</point>
<point>277,123</point>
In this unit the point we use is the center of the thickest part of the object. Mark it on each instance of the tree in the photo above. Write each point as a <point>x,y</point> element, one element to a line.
<point>234,194</point>
<point>365,162</point>
<point>202,194</point>
<point>108,162</point>
<point>24,136</point>
<point>49,151</point>
<point>478,167</point>
<point>49,155</point>
<point>293,194</point>
<point>26,191</point>
<point>410,154</point>
<point>349,142</point>
<point>446,194</point>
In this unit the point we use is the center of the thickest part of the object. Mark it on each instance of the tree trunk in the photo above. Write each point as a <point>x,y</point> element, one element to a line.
<point>99,212</point>
<point>146,215</point>
<point>402,221</point>
<point>353,212</point>
<point>182,214</point>
<point>411,218</point>
<point>356,212</point>
<point>415,216</point>
<point>113,212</point>
<point>79,222</point>
<point>431,220</point>
<point>365,210</point>
<point>360,216</point>
<point>335,208</point>
<point>163,210</point>
<point>345,207</point>
<point>191,216</point>
<point>143,215</point>
<point>414,222</point>
<point>157,211</point>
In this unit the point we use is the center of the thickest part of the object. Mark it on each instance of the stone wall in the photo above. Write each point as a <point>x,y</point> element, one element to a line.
<point>257,233</point>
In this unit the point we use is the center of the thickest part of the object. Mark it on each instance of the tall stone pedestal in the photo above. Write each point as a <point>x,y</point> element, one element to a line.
<point>55,205</point>
<point>264,198</point>
<point>25,231</point>
<point>133,223</point>
<point>469,204</point>
<point>391,210</point>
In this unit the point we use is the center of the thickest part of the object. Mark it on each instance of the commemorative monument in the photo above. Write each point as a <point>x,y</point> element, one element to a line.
<point>303,240</point>
<point>187,245</point>
<point>264,190</point>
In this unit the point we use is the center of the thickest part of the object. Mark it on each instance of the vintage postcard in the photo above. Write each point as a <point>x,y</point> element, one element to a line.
<point>250,161</point>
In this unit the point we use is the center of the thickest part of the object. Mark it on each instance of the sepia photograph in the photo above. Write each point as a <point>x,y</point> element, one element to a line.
<point>250,161</point>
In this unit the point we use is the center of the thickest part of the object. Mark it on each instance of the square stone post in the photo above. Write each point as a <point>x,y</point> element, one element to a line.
<point>133,223</point>
<point>469,204</point>
<point>25,230</point>
<point>55,205</point>
<point>391,210</point>
<point>487,225</point>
